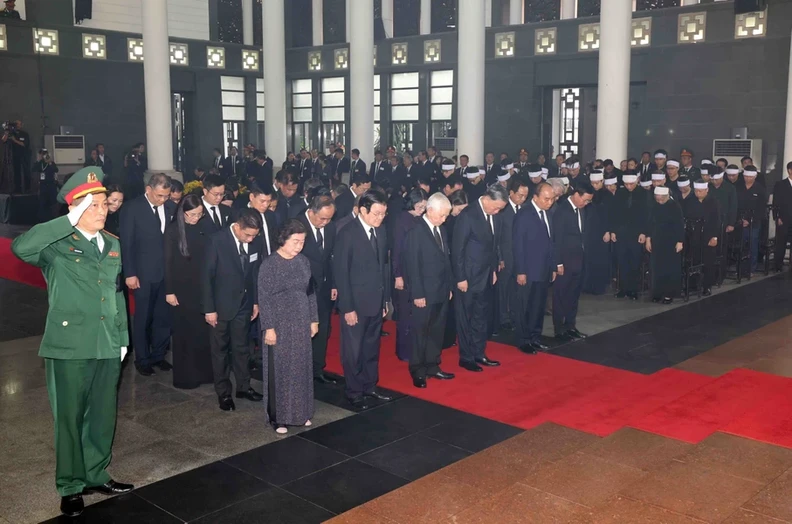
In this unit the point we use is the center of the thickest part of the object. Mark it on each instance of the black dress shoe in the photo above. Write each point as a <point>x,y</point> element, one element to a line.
<point>707,292</point>
<point>227,403</point>
<point>656,300</point>
<point>667,301</point>
<point>377,395</point>
<point>528,349</point>
<point>164,365</point>
<point>574,333</point>
<point>620,294</point>
<point>384,333</point>
<point>251,394</point>
<point>72,505</point>
<point>495,334</point>
<point>111,487</point>
<point>633,296</point>
<point>254,367</point>
<point>358,402</point>
<point>441,375</point>
<point>470,366</point>
<point>564,337</point>
<point>146,371</point>
<point>484,361</point>
<point>324,379</point>
<point>419,383</point>
<point>538,346</point>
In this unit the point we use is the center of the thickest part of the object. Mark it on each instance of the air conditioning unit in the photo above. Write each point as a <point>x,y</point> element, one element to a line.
<point>733,149</point>
<point>446,146</point>
<point>66,149</point>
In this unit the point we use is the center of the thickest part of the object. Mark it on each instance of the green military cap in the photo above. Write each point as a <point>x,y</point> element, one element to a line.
<point>86,181</point>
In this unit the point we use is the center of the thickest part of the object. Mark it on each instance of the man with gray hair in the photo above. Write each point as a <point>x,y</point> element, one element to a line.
<point>429,279</point>
<point>474,259</point>
<point>143,222</point>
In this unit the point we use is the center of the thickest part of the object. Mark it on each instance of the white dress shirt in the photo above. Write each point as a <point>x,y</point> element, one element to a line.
<point>367,228</point>
<point>315,230</point>
<point>211,207</point>
<point>577,211</point>
<point>265,231</point>
<point>160,211</point>
<point>539,212</point>
<point>491,222</point>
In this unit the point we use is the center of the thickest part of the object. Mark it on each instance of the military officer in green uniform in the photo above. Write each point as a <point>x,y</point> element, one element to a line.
<point>85,337</point>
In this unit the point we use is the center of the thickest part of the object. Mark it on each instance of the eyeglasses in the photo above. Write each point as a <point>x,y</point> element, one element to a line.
<point>378,214</point>
<point>216,194</point>
<point>198,215</point>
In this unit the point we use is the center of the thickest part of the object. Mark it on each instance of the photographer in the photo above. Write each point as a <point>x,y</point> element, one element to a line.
<point>19,139</point>
<point>46,170</point>
<point>135,169</point>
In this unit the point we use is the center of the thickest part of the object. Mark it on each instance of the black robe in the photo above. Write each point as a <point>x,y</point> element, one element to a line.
<point>702,223</point>
<point>666,228</point>
<point>597,272</point>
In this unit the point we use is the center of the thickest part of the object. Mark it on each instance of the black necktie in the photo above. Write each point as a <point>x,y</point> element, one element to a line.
<point>243,256</point>
<point>438,238</point>
<point>544,222</point>
<point>215,217</point>
<point>489,221</point>
<point>373,240</point>
<point>156,214</point>
<point>233,165</point>
<point>577,219</point>
<point>320,240</point>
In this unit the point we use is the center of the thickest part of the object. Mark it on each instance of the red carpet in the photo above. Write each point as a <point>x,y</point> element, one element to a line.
<point>528,390</point>
<point>14,269</point>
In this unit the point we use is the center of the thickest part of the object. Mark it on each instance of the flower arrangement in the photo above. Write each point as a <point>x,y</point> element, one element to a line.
<point>194,187</point>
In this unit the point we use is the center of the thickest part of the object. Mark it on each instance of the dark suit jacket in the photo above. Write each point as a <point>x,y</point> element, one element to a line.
<point>341,167</point>
<point>344,203</point>
<point>271,224</point>
<point>360,167</point>
<point>343,221</point>
<point>262,174</point>
<point>384,170</point>
<point>142,241</point>
<point>398,178</point>
<point>506,251</point>
<point>492,174</point>
<point>234,166</point>
<point>207,223</point>
<point>532,247</point>
<point>782,201</point>
<point>226,289</point>
<point>427,268</point>
<point>321,260</point>
<point>567,237</point>
<point>361,280</point>
<point>290,207</point>
<point>474,248</point>
<point>411,175</point>
<point>107,165</point>
<point>218,163</point>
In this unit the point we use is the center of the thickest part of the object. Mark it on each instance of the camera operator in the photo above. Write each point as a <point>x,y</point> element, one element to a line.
<point>19,139</point>
<point>46,170</point>
<point>135,170</point>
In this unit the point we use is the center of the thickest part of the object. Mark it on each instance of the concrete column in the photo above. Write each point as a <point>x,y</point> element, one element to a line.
<point>156,86</point>
<point>788,130</point>
<point>317,21</point>
<point>556,125</point>
<point>568,9</point>
<point>426,17</point>
<point>515,12</point>
<point>387,17</point>
<point>274,66</point>
<point>247,22</point>
<point>361,78</point>
<point>488,13</point>
<point>613,93</point>
<point>471,34</point>
<point>348,15</point>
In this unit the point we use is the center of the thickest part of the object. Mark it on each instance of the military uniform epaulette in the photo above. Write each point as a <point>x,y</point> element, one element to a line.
<point>106,232</point>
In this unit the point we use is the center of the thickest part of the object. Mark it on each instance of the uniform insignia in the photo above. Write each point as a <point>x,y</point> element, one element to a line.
<point>106,232</point>
<point>90,178</point>
<point>113,254</point>
<point>77,251</point>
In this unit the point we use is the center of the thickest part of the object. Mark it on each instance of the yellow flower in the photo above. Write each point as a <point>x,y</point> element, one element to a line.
<point>193,187</point>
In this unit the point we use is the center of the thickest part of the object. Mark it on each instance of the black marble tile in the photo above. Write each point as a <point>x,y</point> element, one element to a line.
<point>471,433</point>
<point>124,509</point>
<point>345,485</point>
<point>274,505</point>
<point>334,395</point>
<point>413,457</point>
<point>411,413</point>
<point>203,490</point>
<point>357,434</point>
<point>286,460</point>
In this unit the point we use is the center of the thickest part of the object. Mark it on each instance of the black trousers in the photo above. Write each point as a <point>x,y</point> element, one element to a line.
<point>506,297</point>
<point>473,318</point>
<point>21,159</point>
<point>48,199</point>
<point>360,349</point>
<point>319,342</point>
<point>230,346</point>
<point>629,253</point>
<point>428,328</point>
<point>152,328</point>
<point>781,237</point>
<point>531,313</point>
<point>566,295</point>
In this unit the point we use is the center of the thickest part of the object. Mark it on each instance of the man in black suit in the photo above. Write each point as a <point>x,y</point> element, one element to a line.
<point>217,162</point>
<point>492,169</point>
<point>474,255</point>
<point>216,216</point>
<point>142,225</point>
<point>429,278</point>
<point>318,249</point>
<point>305,165</point>
<point>356,165</point>
<point>532,243</point>
<point>260,170</point>
<point>346,200</point>
<point>380,167</point>
<point>569,224</point>
<point>234,165</point>
<point>396,176</point>
<point>410,170</point>
<point>290,203</point>
<point>103,160</point>
<point>507,296</point>
<point>363,284</point>
<point>230,303</point>
<point>341,166</point>
<point>260,199</point>
<point>782,214</point>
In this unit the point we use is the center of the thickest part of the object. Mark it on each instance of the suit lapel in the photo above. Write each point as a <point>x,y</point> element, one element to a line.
<point>234,252</point>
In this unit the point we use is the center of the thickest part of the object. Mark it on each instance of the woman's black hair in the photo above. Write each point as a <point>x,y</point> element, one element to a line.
<point>291,227</point>
<point>415,197</point>
<point>188,203</point>
<point>458,198</point>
